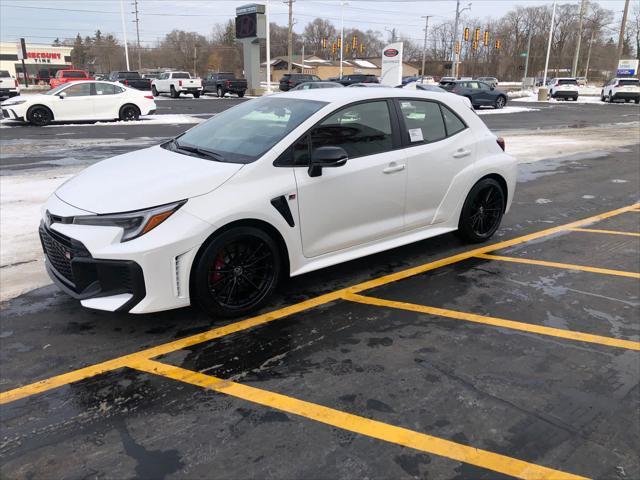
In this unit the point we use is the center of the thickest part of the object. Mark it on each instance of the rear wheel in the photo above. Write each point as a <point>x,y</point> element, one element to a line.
<point>240,94</point>
<point>39,116</point>
<point>219,92</point>
<point>610,97</point>
<point>482,211</point>
<point>154,91</point>
<point>196,95</point>
<point>237,272</point>
<point>637,100</point>
<point>174,93</point>
<point>500,102</point>
<point>129,113</point>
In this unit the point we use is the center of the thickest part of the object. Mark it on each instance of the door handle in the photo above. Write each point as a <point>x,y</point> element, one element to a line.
<point>462,153</point>
<point>393,167</point>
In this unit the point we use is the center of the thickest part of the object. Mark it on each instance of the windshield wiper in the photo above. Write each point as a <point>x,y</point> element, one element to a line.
<point>200,151</point>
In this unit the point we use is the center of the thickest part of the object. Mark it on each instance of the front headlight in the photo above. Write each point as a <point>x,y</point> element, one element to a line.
<point>10,103</point>
<point>135,223</point>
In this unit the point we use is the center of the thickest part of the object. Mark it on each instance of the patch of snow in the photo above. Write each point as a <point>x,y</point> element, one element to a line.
<point>542,201</point>
<point>618,180</point>
<point>364,63</point>
<point>588,197</point>
<point>507,109</point>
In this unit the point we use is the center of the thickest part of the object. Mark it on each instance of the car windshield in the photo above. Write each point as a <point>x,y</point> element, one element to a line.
<point>75,74</point>
<point>55,91</point>
<point>629,81</point>
<point>244,133</point>
<point>4,74</point>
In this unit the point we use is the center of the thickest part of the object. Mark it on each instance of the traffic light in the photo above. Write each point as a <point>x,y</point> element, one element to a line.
<point>458,47</point>
<point>476,35</point>
<point>324,43</point>
<point>362,49</point>
<point>354,42</point>
<point>339,42</point>
<point>346,49</point>
<point>334,48</point>
<point>474,45</point>
<point>466,34</point>
<point>486,38</point>
<point>498,44</point>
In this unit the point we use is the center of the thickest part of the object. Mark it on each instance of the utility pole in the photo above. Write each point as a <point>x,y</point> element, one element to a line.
<point>424,46</point>
<point>526,63</point>
<point>586,70</point>
<point>546,63</point>
<point>268,46</point>
<point>454,55</point>
<point>290,36</point>
<point>124,34</point>
<point>342,4</point>
<point>576,54</point>
<point>195,58</point>
<point>137,22</point>
<point>621,37</point>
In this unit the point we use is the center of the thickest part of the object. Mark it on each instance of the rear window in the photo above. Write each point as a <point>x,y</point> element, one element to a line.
<point>180,75</point>
<point>4,74</point>
<point>74,74</point>
<point>629,81</point>
<point>567,81</point>
<point>226,76</point>
<point>128,75</point>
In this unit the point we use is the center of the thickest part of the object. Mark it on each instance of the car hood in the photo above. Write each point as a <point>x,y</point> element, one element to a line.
<point>143,179</point>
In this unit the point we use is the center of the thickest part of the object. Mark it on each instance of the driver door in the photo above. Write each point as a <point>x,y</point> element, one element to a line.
<point>362,200</point>
<point>77,103</point>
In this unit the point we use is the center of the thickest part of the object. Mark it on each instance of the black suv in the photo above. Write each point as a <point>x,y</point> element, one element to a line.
<point>291,80</point>
<point>358,78</point>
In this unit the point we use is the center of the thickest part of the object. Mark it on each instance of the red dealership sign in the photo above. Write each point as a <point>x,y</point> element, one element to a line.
<point>53,56</point>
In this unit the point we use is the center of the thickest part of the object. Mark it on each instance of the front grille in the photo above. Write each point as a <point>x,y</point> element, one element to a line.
<point>60,251</point>
<point>5,113</point>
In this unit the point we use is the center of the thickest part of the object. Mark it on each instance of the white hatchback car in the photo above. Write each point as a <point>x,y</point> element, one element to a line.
<point>80,101</point>
<point>280,185</point>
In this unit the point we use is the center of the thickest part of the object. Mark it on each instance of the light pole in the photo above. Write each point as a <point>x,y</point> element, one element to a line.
<point>454,55</point>
<point>424,46</point>
<point>546,63</point>
<point>342,4</point>
<point>124,33</point>
<point>576,54</point>
<point>268,48</point>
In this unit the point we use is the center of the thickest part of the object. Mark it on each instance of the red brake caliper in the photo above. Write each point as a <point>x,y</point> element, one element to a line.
<point>217,266</point>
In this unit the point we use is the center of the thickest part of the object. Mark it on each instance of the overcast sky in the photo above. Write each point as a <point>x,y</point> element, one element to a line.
<point>40,21</point>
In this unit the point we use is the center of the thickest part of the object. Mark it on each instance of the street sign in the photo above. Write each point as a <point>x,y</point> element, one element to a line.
<point>627,67</point>
<point>523,54</point>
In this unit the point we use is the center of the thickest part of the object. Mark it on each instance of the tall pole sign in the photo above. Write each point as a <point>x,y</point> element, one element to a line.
<point>22,54</point>
<point>251,26</point>
<point>392,65</point>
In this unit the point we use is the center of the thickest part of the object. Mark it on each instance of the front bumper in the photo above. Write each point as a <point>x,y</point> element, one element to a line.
<point>11,114</point>
<point>148,274</point>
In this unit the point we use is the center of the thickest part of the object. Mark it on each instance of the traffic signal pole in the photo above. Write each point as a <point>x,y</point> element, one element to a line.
<point>424,46</point>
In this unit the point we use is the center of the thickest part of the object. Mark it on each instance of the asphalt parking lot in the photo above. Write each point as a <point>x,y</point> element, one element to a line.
<point>518,358</point>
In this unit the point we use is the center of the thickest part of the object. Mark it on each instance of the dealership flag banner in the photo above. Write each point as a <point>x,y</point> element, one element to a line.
<point>392,65</point>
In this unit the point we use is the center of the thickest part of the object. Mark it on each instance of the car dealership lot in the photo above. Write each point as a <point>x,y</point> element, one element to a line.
<point>526,349</point>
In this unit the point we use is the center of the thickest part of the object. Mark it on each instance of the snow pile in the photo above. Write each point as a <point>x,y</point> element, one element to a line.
<point>522,94</point>
<point>506,109</point>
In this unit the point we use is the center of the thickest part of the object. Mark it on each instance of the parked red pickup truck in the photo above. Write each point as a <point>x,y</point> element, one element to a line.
<point>65,76</point>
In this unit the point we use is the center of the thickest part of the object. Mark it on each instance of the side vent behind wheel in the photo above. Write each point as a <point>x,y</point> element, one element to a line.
<point>280,204</point>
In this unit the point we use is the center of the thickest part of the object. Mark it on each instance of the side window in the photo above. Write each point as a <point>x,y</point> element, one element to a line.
<point>452,121</point>
<point>423,121</point>
<point>361,129</point>
<point>105,89</point>
<point>473,85</point>
<point>484,86</point>
<point>79,90</point>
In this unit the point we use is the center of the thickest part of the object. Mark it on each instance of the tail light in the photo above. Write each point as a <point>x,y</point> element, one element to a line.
<point>290,82</point>
<point>616,85</point>
<point>501,143</point>
<point>180,82</point>
<point>557,85</point>
<point>150,97</point>
<point>126,82</point>
<point>16,81</point>
<point>228,83</point>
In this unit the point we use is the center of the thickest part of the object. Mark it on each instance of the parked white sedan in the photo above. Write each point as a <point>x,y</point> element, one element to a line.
<point>80,101</point>
<point>276,186</point>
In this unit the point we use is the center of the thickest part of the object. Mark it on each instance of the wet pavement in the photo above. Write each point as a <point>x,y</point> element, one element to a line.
<point>519,359</point>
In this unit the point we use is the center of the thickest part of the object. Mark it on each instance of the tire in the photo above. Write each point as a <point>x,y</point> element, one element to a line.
<point>220,92</point>
<point>486,196</point>
<point>602,97</point>
<point>174,93</point>
<point>610,97</point>
<point>129,113</point>
<point>500,102</point>
<point>236,272</point>
<point>154,91</point>
<point>240,94</point>
<point>39,116</point>
<point>637,100</point>
<point>196,95</point>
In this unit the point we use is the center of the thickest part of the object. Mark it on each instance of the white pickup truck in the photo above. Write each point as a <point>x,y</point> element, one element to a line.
<point>176,83</point>
<point>8,85</point>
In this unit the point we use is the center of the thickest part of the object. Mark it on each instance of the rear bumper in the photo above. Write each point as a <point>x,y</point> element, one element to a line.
<point>626,95</point>
<point>564,94</point>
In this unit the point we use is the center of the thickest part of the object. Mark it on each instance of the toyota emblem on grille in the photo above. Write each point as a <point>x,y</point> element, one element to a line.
<point>67,255</point>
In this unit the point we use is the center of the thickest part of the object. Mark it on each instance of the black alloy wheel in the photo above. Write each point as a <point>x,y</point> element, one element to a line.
<point>129,113</point>
<point>482,211</point>
<point>39,116</point>
<point>237,272</point>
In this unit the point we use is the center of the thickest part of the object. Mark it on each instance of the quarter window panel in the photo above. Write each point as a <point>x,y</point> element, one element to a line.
<point>423,120</point>
<point>106,89</point>
<point>452,121</point>
<point>361,129</point>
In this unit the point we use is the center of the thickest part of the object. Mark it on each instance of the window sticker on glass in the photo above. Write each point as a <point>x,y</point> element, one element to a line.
<point>415,135</point>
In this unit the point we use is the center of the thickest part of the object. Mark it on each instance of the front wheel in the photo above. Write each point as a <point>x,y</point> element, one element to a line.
<point>196,95</point>
<point>637,100</point>
<point>219,92</point>
<point>237,272</point>
<point>610,97</point>
<point>39,116</point>
<point>240,94</point>
<point>174,93</point>
<point>500,102</point>
<point>482,211</point>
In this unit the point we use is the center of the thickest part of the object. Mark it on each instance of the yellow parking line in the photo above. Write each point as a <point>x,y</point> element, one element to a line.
<point>496,322</point>
<point>115,363</point>
<point>357,424</point>
<point>610,232</point>
<point>566,266</point>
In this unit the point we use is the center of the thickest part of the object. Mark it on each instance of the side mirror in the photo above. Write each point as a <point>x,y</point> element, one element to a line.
<point>62,95</point>
<point>493,88</point>
<point>326,157</point>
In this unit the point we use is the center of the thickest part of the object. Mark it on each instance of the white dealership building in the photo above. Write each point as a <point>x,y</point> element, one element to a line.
<point>42,61</point>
